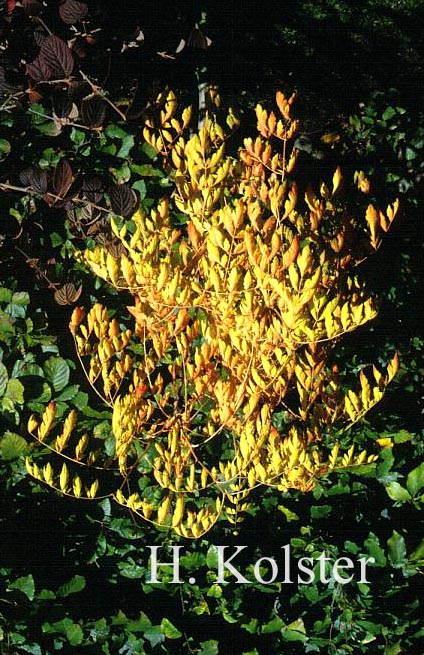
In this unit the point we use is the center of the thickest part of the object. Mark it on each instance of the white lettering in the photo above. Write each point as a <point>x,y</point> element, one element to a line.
<point>286,549</point>
<point>322,559</point>
<point>363,561</point>
<point>339,565</point>
<point>154,564</point>
<point>257,570</point>
<point>304,569</point>
<point>225,564</point>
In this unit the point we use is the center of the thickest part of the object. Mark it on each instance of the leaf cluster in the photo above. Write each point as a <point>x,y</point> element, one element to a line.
<point>77,82</point>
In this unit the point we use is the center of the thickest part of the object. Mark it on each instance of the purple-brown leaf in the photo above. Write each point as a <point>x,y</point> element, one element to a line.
<point>25,176</point>
<point>5,87</point>
<point>35,178</point>
<point>92,190</point>
<point>72,11</point>
<point>39,71</point>
<point>93,112</point>
<point>122,200</point>
<point>55,54</point>
<point>32,7</point>
<point>62,177</point>
<point>67,294</point>
<point>39,36</point>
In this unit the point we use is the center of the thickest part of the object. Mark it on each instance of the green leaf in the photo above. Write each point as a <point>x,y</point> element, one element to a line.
<point>154,635</point>
<point>415,479</point>
<point>77,136</point>
<point>149,151</point>
<point>396,492</point>
<point>69,393</point>
<point>5,295</point>
<point>293,635</point>
<point>140,186</point>
<point>21,298</point>
<point>121,174</point>
<point>209,647</point>
<point>15,639</point>
<point>26,369</point>
<point>46,594</point>
<point>418,553</point>
<point>146,170</point>
<point>56,239</point>
<point>12,446</point>
<point>126,147</point>
<point>290,516</point>
<point>110,149</point>
<point>129,569</point>
<point>115,132</point>
<point>201,607</point>
<point>251,627</point>
<point>3,378</point>
<point>169,630</point>
<point>403,436</point>
<point>373,547</point>
<point>25,585</point>
<point>351,547</point>
<point>385,464</point>
<point>49,128</point>
<point>297,625</point>
<point>57,627</point>
<point>80,400</point>
<point>396,550</point>
<point>46,393</point>
<point>15,310</point>
<point>6,327</point>
<point>388,113</point>
<point>73,586</point>
<point>34,649</point>
<point>140,625</point>
<point>275,625</point>
<point>119,619</point>
<point>100,630</point>
<point>57,372</point>
<point>320,511</point>
<point>15,391</point>
<point>372,628</point>
<point>193,560</point>
<point>410,153</point>
<point>125,528</point>
<point>74,634</point>
<point>295,631</point>
<point>7,406</point>
<point>214,591</point>
<point>5,149</point>
<point>212,557</point>
<point>67,627</point>
<point>228,617</point>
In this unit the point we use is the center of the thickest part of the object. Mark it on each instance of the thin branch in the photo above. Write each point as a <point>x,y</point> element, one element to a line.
<point>98,91</point>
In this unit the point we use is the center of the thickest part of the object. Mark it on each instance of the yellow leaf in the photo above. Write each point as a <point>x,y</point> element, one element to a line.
<point>64,478</point>
<point>164,510</point>
<point>385,442</point>
<point>178,510</point>
<point>48,474</point>
<point>337,178</point>
<point>77,486</point>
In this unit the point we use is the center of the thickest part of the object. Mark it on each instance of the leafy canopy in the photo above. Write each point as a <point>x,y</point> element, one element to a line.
<point>223,382</point>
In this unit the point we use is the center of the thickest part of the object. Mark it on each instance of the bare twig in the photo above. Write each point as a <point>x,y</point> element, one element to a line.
<point>99,91</point>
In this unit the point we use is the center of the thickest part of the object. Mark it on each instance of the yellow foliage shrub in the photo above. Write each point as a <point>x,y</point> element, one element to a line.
<point>235,317</point>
